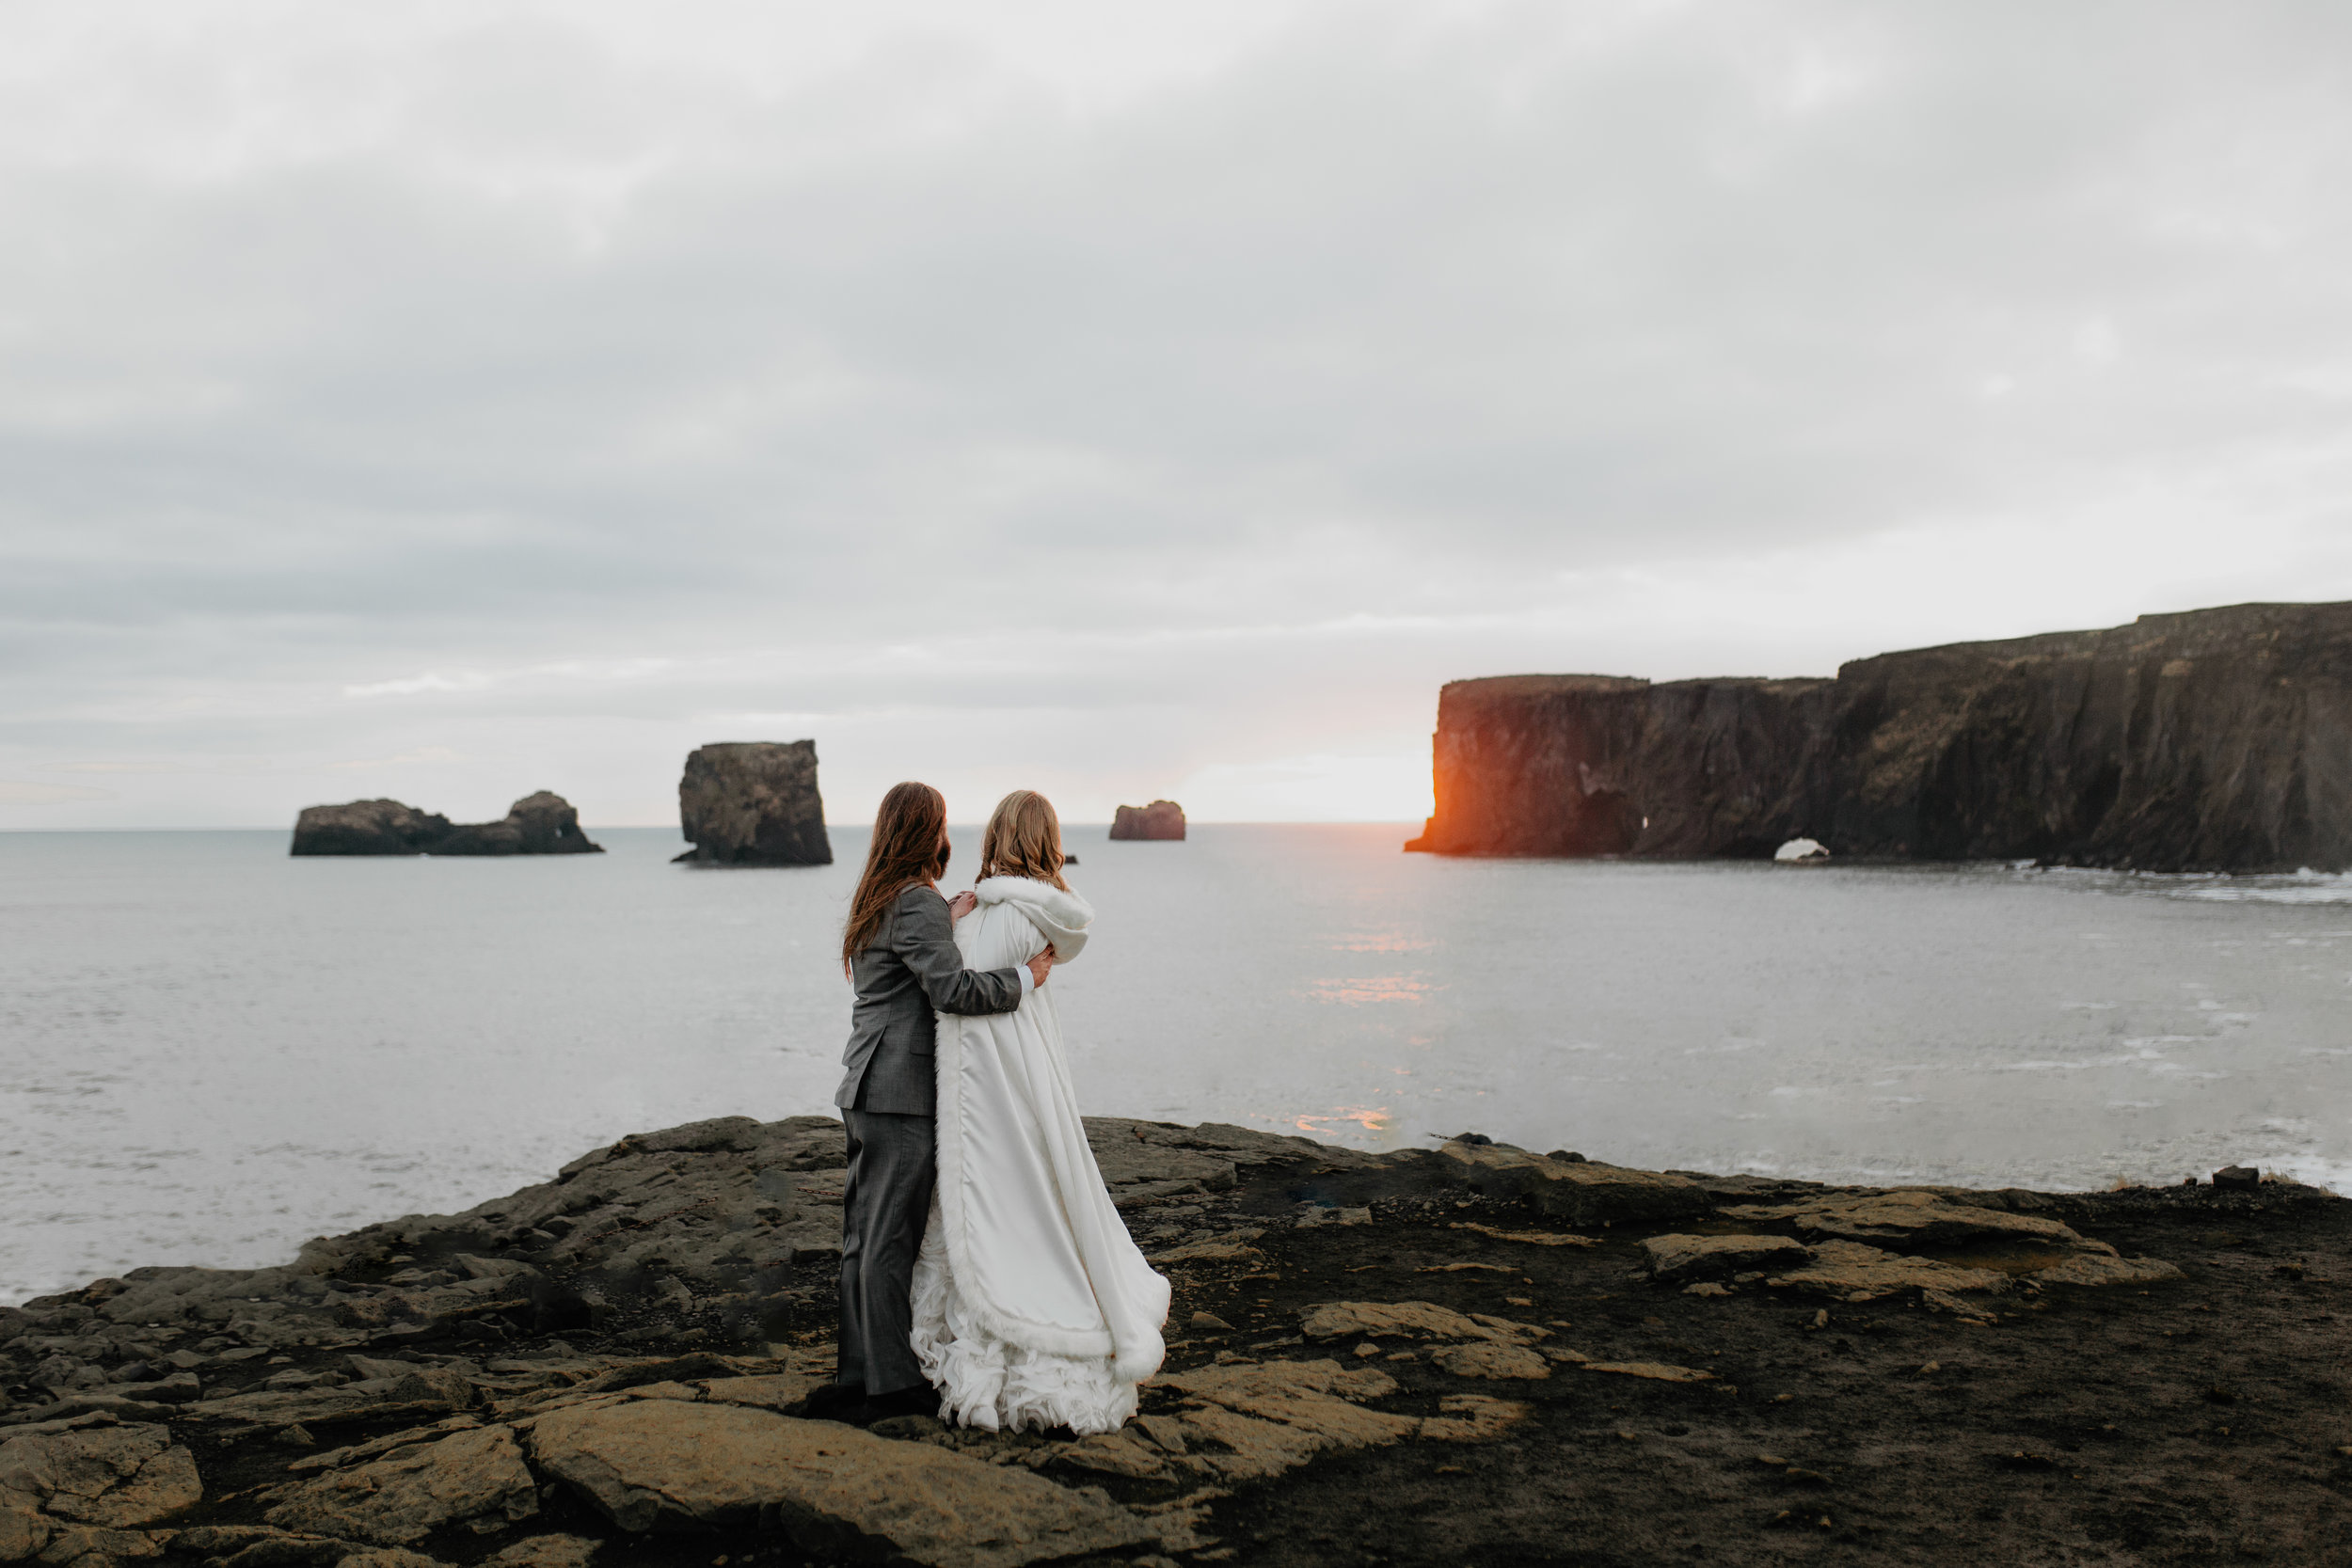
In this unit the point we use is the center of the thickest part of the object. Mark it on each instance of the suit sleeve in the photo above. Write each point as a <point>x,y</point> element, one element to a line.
<point>925,939</point>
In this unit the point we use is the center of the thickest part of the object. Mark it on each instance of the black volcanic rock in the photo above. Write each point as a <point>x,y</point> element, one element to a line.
<point>367,828</point>
<point>1162,819</point>
<point>754,803</point>
<point>2216,740</point>
<point>540,824</point>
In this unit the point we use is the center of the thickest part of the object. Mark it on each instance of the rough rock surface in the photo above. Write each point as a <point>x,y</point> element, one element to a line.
<point>752,802</point>
<point>659,1462</point>
<point>1491,1361</point>
<point>1953,1376</point>
<point>1917,1217</point>
<point>1582,1192</point>
<point>414,1490</point>
<point>540,824</point>
<point>1678,1260</point>
<point>1853,1272</point>
<point>1163,819</point>
<point>367,828</point>
<point>547,1551</point>
<point>2219,739</point>
<point>66,1494</point>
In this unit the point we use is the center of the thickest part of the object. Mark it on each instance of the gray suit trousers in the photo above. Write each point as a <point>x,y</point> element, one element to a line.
<point>884,1206</point>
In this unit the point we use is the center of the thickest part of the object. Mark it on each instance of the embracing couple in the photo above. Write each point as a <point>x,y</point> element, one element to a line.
<point>986,1278</point>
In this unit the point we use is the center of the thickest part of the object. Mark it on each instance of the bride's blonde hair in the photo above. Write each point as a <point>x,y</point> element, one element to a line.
<point>1023,839</point>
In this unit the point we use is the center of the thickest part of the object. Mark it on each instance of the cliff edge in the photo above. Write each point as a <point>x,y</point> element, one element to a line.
<point>2212,741</point>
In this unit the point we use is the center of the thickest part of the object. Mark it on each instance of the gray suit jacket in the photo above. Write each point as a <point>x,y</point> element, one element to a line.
<point>911,969</point>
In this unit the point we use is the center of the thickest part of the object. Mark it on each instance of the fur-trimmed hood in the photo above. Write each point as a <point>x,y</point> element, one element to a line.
<point>1061,917</point>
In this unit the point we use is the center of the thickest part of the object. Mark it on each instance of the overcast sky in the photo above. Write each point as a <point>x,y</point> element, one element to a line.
<point>449,401</point>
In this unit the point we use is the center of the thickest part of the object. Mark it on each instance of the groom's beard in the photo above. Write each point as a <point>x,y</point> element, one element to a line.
<point>939,866</point>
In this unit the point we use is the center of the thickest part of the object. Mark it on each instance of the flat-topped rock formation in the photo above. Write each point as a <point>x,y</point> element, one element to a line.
<point>754,803</point>
<point>1471,1353</point>
<point>1161,819</point>
<point>2214,740</point>
<point>540,824</point>
<point>367,828</point>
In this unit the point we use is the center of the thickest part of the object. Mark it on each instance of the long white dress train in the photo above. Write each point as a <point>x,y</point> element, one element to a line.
<point>1032,1307</point>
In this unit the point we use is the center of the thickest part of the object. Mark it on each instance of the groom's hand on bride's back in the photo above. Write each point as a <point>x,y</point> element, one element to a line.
<point>961,904</point>
<point>1042,965</point>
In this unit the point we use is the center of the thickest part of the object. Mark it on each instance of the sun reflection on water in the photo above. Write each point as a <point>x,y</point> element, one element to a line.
<point>1356,991</point>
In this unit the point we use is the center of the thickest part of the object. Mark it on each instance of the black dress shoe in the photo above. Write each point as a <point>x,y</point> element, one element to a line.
<point>835,1401</point>
<point>921,1399</point>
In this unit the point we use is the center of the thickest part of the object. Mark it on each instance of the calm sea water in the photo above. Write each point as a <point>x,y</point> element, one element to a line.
<point>210,1051</point>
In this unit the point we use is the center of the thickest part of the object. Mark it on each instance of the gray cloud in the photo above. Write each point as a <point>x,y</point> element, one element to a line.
<point>499,400</point>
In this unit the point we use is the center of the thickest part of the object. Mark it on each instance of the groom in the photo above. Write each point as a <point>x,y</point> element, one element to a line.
<point>899,949</point>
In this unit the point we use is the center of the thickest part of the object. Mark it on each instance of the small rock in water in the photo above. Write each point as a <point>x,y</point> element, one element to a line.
<point>1802,850</point>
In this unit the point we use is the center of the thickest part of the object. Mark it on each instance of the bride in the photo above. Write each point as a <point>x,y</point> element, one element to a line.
<point>1032,1307</point>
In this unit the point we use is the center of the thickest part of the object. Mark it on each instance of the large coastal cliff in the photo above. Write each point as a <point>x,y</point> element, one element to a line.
<point>2212,740</point>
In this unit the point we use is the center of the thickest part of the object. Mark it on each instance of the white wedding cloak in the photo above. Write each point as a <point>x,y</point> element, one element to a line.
<point>1032,1307</point>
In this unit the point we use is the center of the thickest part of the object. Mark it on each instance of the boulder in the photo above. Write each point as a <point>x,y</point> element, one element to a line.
<point>1161,819</point>
<point>540,824</point>
<point>367,828</point>
<point>834,1490</point>
<point>752,802</point>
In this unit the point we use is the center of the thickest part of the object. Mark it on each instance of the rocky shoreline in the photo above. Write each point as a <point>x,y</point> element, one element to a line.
<point>1476,1354</point>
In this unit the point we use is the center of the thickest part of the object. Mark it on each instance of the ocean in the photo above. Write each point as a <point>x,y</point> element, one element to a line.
<point>210,1051</point>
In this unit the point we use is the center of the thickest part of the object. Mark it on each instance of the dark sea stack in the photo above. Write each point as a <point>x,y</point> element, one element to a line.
<point>1161,819</point>
<point>2212,740</point>
<point>367,828</point>
<point>540,824</point>
<point>754,803</point>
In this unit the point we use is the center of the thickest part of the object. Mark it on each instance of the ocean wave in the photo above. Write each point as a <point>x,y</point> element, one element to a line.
<point>2302,887</point>
<point>2305,886</point>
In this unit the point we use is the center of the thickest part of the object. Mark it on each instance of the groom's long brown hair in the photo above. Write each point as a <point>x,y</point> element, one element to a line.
<point>905,851</point>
